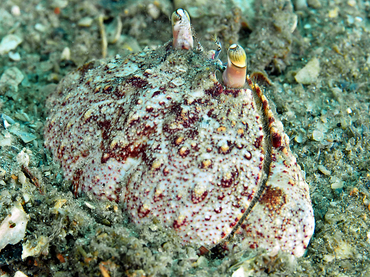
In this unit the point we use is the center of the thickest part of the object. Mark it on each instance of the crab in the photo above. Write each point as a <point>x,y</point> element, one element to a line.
<point>158,132</point>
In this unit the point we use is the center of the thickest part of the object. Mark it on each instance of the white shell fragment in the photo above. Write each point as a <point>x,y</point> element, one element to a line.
<point>114,30</point>
<point>26,137</point>
<point>14,56</point>
<point>85,22</point>
<point>13,227</point>
<point>66,54</point>
<point>309,73</point>
<point>153,11</point>
<point>8,43</point>
<point>35,248</point>
<point>20,274</point>
<point>15,10</point>
<point>23,158</point>
<point>11,77</point>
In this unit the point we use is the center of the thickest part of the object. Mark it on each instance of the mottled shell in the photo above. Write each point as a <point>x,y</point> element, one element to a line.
<point>160,133</point>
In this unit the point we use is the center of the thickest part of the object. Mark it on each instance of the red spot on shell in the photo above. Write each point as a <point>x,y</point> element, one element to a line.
<point>176,224</point>
<point>258,142</point>
<point>158,92</point>
<point>157,198</point>
<point>107,89</point>
<point>165,171</point>
<point>276,140</point>
<point>218,210</point>
<point>137,82</point>
<point>216,90</point>
<point>141,212</point>
<point>248,155</point>
<point>265,105</point>
<point>149,109</point>
<point>76,181</point>
<point>226,183</point>
<point>234,92</point>
<point>253,246</point>
<point>196,199</point>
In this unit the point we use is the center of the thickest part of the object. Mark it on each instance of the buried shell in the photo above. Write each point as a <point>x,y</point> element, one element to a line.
<point>158,132</point>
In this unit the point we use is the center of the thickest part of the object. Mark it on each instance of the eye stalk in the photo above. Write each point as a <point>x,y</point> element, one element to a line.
<point>236,70</point>
<point>181,29</point>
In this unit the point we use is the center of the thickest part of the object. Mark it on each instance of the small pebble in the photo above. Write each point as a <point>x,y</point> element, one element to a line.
<point>333,13</point>
<point>202,262</point>
<point>114,30</point>
<point>20,274</point>
<point>23,135</point>
<point>66,54</point>
<point>22,178</point>
<point>22,116</point>
<point>85,22</point>
<point>300,4</point>
<point>89,206</point>
<point>39,27</point>
<point>23,158</point>
<point>35,247</point>
<point>153,228</point>
<point>153,11</point>
<point>15,10</point>
<point>309,73</point>
<point>323,170</point>
<point>7,118</point>
<point>6,124</point>
<point>351,3</point>
<point>316,4</point>
<point>298,138</point>
<point>8,43</point>
<point>59,4</point>
<point>317,135</point>
<point>11,77</point>
<point>26,197</point>
<point>14,56</point>
<point>7,141</point>
<point>337,185</point>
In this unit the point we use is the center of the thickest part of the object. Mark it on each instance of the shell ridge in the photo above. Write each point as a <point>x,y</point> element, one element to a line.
<point>281,199</point>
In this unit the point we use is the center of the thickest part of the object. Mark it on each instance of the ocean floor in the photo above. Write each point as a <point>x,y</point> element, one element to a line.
<point>314,53</point>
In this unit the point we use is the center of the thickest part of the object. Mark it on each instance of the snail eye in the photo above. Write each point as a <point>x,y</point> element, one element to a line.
<point>237,55</point>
